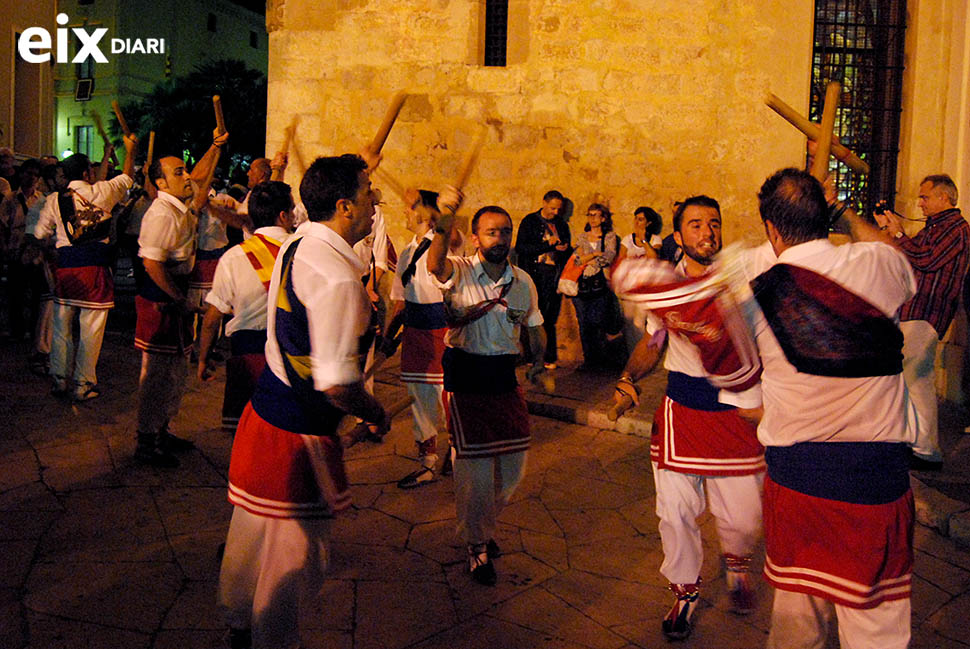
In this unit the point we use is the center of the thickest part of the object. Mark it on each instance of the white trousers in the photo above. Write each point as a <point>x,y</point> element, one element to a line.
<point>85,363</point>
<point>44,331</point>
<point>271,568</point>
<point>800,621</point>
<point>160,388</point>
<point>479,497</point>
<point>735,503</point>
<point>427,411</point>
<point>919,372</point>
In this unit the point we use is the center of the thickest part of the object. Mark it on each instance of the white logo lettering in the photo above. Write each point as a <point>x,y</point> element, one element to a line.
<point>34,44</point>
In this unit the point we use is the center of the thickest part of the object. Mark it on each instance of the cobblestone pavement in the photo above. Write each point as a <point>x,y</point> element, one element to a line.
<point>98,552</point>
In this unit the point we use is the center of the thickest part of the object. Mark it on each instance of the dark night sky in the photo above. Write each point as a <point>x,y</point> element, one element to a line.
<point>259,6</point>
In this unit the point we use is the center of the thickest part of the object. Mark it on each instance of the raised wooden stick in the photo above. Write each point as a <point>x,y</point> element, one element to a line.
<point>389,117</point>
<point>104,136</point>
<point>812,131</point>
<point>151,148</point>
<point>471,159</point>
<point>820,166</point>
<point>121,118</point>
<point>220,120</point>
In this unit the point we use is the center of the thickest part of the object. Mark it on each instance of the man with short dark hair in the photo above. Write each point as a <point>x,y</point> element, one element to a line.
<point>542,247</point>
<point>163,331</point>
<point>940,255</point>
<point>239,289</point>
<point>704,453</point>
<point>286,476</point>
<point>79,218</point>
<point>838,509</point>
<point>488,301</point>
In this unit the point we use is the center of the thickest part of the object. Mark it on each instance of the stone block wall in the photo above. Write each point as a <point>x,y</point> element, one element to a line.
<point>630,102</point>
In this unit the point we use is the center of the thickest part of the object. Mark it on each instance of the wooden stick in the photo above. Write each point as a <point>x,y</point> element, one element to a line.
<point>393,183</point>
<point>820,166</point>
<point>151,148</point>
<point>471,159</point>
<point>389,117</point>
<point>812,131</point>
<point>121,118</point>
<point>220,120</point>
<point>288,134</point>
<point>99,125</point>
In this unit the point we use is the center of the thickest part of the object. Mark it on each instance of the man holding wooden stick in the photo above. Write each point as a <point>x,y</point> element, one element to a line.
<point>163,333</point>
<point>79,218</point>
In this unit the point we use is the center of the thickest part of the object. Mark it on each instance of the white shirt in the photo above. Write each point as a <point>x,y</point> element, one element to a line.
<point>168,233</point>
<point>104,193</point>
<point>808,408</point>
<point>237,289</point>
<point>422,288</point>
<point>632,250</point>
<point>326,278</point>
<point>497,332</point>
<point>374,243</point>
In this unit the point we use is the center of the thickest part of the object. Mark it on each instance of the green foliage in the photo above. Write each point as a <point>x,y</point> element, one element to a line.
<point>180,112</point>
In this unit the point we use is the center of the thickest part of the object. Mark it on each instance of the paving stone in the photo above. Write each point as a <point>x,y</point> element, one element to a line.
<point>15,560</point>
<point>941,574</point>
<point>530,514</point>
<point>326,639</point>
<point>949,618</point>
<point>588,494</point>
<point>593,525</point>
<point>20,470</point>
<point>609,601</point>
<point>933,508</point>
<point>516,573</point>
<point>13,626</point>
<point>923,638</point>
<point>927,599</point>
<point>195,607</point>
<point>488,633</point>
<point>129,596</point>
<point>540,610</point>
<point>189,639</point>
<point>107,524</point>
<point>631,472</point>
<point>550,550</point>
<point>369,526</point>
<point>188,510</point>
<point>381,563</point>
<point>392,615</point>
<point>48,632</point>
<point>437,540</point>
<point>366,495</point>
<point>931,542</point>
<point>633,558</point>
<point>333,609</point>
<point>435,502</point>
<point>16,526</point>
<point>642,515</point>
<point>197,553</point>
<point>33,496</point>
<point>959,528</point>
<point>385,469</point>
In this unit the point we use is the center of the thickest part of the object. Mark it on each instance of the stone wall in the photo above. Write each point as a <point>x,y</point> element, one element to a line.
<point>626,101</point>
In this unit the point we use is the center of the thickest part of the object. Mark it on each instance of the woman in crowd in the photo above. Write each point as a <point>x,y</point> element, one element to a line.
<point>596,249</point>
<point>644,241</point>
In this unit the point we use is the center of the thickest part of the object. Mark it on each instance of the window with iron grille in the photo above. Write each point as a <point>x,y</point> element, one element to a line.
<point>496,31</point>
<point>859,43</point>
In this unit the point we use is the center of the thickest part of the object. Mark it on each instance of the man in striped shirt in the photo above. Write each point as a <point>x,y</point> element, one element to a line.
<point>940,255</point>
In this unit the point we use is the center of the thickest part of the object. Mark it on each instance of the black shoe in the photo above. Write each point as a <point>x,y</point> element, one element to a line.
<point>239,639</point>
<point>170,443</point>
<point>418,478</point>
<point>480,566</point>
<point>448,467</point>
<point>492,549</point>
<point>677,625</point>
<point>917,463</point>
<point>151,456</point>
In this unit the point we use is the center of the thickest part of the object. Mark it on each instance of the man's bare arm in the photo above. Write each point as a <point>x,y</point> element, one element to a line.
<point>207,338</point>
<point>355,400</point>
<point>537,345</point>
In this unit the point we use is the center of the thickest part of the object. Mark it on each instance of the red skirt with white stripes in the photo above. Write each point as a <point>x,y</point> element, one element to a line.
<point>421,351</point>
<point>854,555</point>
<point>279,474</point>
<point>704,442</point>
<point>487,425</point>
